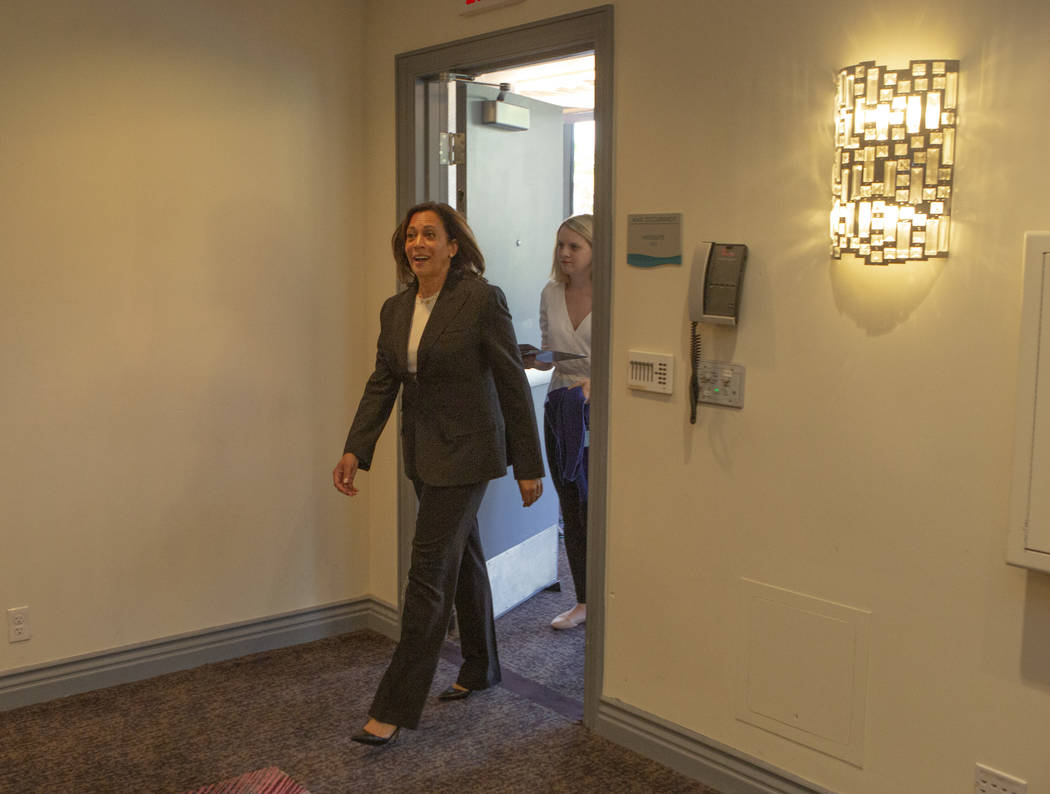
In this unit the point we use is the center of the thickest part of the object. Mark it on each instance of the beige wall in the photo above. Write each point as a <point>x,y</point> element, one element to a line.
<point>870,465</point>
<point>195,221</point>
<point>181,258</point>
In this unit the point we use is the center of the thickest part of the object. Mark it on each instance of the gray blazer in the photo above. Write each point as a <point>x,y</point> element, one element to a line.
<point>467,413</point>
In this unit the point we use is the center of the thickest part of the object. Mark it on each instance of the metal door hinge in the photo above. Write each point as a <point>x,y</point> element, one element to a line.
<point>452,148</point>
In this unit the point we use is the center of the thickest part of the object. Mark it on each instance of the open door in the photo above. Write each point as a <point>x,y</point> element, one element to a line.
<point>420,110</point>
<point>510,183</point>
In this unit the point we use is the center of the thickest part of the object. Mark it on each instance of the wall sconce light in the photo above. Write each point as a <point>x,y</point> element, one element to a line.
<point>894,161</point>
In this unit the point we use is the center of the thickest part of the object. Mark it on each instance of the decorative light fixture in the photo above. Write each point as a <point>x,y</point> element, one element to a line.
<point>894,161</point>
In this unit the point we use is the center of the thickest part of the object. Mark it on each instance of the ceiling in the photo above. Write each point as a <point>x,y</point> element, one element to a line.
<point>568,82</point>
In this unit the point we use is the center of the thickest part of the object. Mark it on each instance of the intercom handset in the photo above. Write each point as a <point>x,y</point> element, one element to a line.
<point>714,297</point>
<point>718,273</point>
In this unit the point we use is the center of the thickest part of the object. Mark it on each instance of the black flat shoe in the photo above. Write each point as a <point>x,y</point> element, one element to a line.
<point>455,694</point>
<point>364,737</point>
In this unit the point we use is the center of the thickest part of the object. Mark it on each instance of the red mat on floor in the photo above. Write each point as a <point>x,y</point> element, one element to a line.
<point>262,781</point>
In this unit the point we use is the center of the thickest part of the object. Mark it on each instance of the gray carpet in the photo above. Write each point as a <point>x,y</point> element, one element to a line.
<point>530,647</point>
<point>295,709</point>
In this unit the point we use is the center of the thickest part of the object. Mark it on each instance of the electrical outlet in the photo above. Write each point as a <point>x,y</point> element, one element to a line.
<point>18,624</point>
<point>992,781</point>
<point>721,383</point>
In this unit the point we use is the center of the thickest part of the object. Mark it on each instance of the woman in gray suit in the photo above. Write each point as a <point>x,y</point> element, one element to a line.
<point>448,343</point>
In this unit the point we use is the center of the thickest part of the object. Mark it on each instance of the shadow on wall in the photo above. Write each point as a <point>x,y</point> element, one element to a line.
<point>1035,639</point>
<point>878,298</point>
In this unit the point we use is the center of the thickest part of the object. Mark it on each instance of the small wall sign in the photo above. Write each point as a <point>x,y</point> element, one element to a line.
<point>654,240</point>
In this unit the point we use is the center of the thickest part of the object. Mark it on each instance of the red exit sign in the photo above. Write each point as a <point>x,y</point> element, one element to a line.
<point>477,6</point>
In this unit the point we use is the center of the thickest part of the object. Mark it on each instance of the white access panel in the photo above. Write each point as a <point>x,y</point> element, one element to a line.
<point>1028,543</point>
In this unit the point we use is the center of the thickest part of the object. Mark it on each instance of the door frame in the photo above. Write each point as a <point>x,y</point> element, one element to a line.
<point>590,30</point>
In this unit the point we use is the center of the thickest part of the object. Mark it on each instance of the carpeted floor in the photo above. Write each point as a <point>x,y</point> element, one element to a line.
<point>296,708</point>
<point>530,647</point>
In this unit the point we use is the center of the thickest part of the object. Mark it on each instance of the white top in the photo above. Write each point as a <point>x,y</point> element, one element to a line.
<point>419,321</point>
<point>557,333</point>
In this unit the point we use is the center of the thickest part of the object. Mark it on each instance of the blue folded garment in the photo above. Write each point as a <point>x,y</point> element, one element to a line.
<point>568,416</point>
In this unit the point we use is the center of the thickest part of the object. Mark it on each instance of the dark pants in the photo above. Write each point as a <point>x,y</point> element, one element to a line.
<point>566,419</point>
<point>448,566</point>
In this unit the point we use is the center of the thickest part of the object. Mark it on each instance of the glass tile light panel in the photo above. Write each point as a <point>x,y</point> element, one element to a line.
<point>894,148</point>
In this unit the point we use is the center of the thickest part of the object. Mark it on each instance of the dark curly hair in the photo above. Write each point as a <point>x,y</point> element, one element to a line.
<point>468,258</point>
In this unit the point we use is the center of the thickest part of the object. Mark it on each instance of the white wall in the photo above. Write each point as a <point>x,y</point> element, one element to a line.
<point>870,465</point>
<point>194,232</point>
<point>180,249</point>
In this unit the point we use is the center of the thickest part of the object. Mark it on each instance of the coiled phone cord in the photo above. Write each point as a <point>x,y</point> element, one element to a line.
<point>694,383</point>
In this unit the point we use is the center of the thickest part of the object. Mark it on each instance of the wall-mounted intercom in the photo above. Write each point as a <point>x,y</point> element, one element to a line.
<point>714,297</point>
<point>718,273</point>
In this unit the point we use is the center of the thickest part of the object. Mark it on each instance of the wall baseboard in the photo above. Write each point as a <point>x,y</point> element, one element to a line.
<point>28,685</point>
<point>696,756</point>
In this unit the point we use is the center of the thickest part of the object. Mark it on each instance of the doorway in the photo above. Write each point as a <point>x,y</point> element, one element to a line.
<point>503,158</point>
<point>422,107</point>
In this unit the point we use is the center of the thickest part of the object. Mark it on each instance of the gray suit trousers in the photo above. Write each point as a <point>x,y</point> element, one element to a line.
<point>448,566</point>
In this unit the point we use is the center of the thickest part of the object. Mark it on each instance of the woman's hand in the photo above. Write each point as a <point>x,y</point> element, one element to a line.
<point>531,490</point>
<point>343,474</point>
<point>585,385</point>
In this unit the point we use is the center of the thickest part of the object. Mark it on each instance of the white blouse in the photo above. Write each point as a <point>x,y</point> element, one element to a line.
<point>557,333</point>
<point>419,322</point>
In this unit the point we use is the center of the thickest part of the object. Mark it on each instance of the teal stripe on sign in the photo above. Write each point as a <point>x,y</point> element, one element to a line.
<point>641,260</point>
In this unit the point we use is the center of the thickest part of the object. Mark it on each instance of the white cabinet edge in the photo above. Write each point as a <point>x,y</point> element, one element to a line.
<point>1018,552</point>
